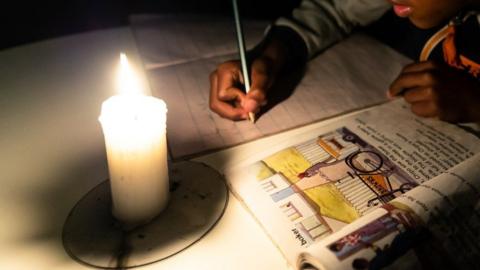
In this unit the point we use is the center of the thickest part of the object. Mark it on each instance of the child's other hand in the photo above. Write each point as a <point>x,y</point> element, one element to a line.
<point>229,101</point>
<point>438,90</point>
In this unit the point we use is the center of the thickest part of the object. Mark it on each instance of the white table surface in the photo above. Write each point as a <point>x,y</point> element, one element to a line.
<point>52,153</point>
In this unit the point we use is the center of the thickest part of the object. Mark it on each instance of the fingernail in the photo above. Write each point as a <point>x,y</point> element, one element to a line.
<point>250,105</point>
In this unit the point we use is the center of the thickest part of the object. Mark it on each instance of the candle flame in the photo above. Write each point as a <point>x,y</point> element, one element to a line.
<point>128,82</point>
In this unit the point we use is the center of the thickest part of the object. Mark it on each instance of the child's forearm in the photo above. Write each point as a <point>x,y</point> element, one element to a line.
<point>283,48</point>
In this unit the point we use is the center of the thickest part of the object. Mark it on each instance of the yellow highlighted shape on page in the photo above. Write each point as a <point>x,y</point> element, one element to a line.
<point>289,162</point>
<point>332,204</point>
<point>260,170</point>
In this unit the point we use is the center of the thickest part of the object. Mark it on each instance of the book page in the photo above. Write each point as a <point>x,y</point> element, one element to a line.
<point>449,207</point>
<point>180,52</point>
<point>433,226</point>
<point>314,185</point>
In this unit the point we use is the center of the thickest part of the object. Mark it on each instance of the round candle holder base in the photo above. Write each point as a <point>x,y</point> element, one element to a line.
<point>92,236</point>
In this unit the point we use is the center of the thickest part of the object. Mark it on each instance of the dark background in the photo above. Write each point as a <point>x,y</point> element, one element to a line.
<point>28,21</point>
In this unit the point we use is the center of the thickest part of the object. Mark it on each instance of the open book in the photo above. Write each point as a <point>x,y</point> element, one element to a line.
<point>367,189</point>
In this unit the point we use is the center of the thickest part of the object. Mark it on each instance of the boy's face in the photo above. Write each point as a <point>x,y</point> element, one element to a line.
<point>427,13</point>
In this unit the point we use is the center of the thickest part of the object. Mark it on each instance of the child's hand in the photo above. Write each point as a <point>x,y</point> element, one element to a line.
<point>438,90</point>
<point>229,101</point>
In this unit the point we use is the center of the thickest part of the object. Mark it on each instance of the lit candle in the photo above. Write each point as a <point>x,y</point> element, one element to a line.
<point>134,126</point>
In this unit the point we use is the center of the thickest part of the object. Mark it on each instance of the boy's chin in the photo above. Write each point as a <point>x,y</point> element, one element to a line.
<point>423,24</point>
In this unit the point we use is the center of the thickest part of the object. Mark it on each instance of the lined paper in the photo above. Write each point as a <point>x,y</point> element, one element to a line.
<point>353,74</point>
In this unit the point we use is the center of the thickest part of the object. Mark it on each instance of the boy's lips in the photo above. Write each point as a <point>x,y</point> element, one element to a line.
<point>401,9</point>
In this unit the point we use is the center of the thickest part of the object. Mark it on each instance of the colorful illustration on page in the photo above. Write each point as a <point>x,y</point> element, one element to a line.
<point>329,181</point>
<point>382,241</point>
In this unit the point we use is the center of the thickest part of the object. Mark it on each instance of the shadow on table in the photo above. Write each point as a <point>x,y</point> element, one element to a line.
<point>53,199</point>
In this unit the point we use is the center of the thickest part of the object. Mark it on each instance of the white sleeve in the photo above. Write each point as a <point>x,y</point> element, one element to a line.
<point>320,23</point>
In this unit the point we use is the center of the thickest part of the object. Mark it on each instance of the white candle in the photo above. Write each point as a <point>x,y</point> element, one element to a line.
<point>134,126</point>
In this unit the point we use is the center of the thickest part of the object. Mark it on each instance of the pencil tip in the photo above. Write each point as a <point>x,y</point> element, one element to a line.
<point>251,117</point>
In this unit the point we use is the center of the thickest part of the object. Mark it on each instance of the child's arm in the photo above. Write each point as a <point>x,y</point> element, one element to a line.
<point>313,26</point>
<point>438,90</point>
<point>321,23</point>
